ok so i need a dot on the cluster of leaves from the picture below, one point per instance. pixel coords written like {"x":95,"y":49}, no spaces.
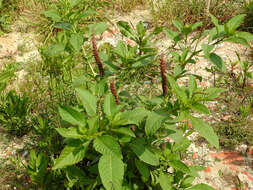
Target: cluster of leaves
{"x":125,"y":148}
{"x":68,"y":15}
{"x":130,"y":61}
{"x":14,"y":109}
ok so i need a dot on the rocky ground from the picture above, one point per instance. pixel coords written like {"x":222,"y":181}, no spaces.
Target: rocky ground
{"x":225,"y":170}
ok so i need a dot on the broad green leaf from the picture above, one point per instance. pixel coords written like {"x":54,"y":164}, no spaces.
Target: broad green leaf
{"x":144,"y":153}
{"x":201,"y":108}
{"x":205,"y":130}
{"x":54,"y":15}
{"x":165,"y":181}
{"x":119,"y":121}
{"x":87,"y":13}
{"x":55,"y":50}
{"x":32,"y":161}
{"x":107,"y":145}
{"x":246,"y":35}
{"x":201,"y":187}
{"x":179,"y":92}
{"x":182,"y":144}
{"x":98,"y":28}
{"x":178,"y":24}
{"x":216,"y":60}
{"x":207,"y":49}
{"x":70,"y":132}
{"x":100,"y":87}
{"x":238,"y":40}
{"x":75,"y":173}
{"x":72,"y":116}
{"x":88,"y":100}
{"x":212,"y":93}
{"x":153,"y":123}
{"x":178,"y":165}
{"x":135,"y":116}
{"x":125,"y":131}
{"x":110,"y":106}
{"x":63,"y":25}
{"x":192,"y":85}
{"x":143,"y":169}
{"x":71,"y":155}
{"x":176,"y":56}
{"x":195,"y":170}
{"x":174,"y":132}
{"x":184,"y":55}
{"x":93,"y":124}
{"x":157,"y":30}
{"x":171,"y":34}
{"x":235,"y":22}
{"x":125,"y":29}
{"x":187,"y":182}
{"x":178,"y":69}
{"x":80,"y":81}
{"x":196,"y":25}
{"x":215,"y":22}
{"x":140,"y":29}
{"x":76,"y":40}
{"x":107,"y":61}
{"x":121,"y":49}
{"x":111,"y":171}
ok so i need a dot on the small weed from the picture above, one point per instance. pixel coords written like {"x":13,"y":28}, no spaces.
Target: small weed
{"x":248,"y":10}
{"x":8,"y":9}
{"x":15,"y":113}
{"x":232,"y":133}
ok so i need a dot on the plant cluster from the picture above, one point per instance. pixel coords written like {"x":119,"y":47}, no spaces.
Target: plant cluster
{"x":90,"y":132}
{"x":116,"y":143}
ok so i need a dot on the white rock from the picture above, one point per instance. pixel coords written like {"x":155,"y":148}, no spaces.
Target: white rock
{"x":242,"y":148}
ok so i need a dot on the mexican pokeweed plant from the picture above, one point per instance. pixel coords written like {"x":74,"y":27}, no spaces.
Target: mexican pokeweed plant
{"x":66,"y":15}
{"x":111,"y":147}
{"x":131,"y":60}
{"x":186,"y":48}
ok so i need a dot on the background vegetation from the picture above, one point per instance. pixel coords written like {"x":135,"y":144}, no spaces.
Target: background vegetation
{"x":90,"y":118}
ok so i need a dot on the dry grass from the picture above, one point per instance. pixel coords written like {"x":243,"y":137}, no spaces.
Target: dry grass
{"x":191,"y":11}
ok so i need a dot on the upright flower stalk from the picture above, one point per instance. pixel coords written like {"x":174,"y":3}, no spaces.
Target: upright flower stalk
{"x":96,"y":56}
{"x":114,"y":92}
{"x":163,"y":75}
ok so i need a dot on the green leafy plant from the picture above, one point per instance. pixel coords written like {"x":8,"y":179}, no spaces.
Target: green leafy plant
{"x":37,"y":168}
{"x":67,"y":15}
{"x":185,"y":48}
{"x":115,"y":144}
{"x":132,"y":59}
{"x":111,"y":146}
{"x":45,"y":135}
{"x":15,"y":113}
